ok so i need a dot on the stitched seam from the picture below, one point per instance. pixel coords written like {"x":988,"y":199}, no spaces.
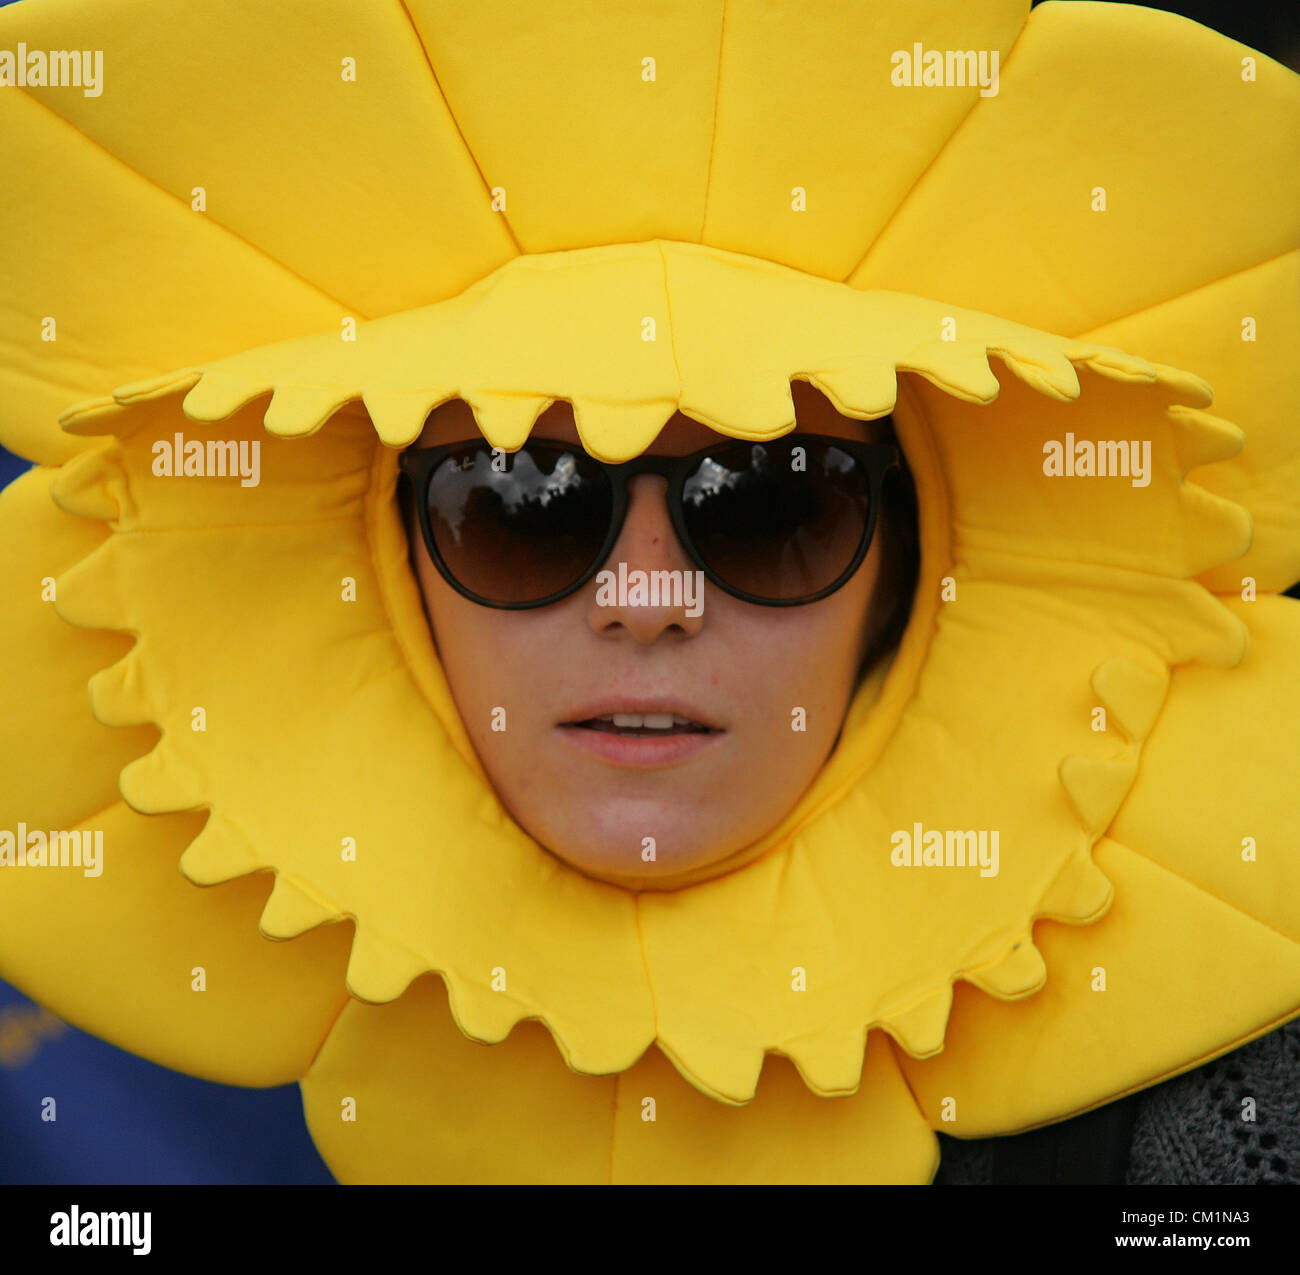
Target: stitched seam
{"x":234,"y":234}
{"x":1179,"y":296}
{"x":896,"y":1052}
{"x":1187,"y":881}
{"x":672,"y":330}
{"x":329,"y":1031}
{"x":640,"y":938}
{"x":451,"y":115}
{"x":921,"y":176}
{"x":645,"y":966}
{"x":713,"y":135}
{"x":1170,"y":1074}
{"x":121,"y":801}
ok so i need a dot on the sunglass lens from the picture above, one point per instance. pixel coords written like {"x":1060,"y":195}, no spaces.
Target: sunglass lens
{"x":522,"y":528}
{"x":781,"y":520}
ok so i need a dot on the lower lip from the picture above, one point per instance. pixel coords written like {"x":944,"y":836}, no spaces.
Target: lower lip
{"x":640,"y":752}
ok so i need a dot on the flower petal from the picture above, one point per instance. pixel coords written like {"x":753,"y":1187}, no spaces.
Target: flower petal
{"x":1221,"y":766}
{"x":1241,"y":333}
{"x":1150,"y":108}
{"x":115,"y":952}
{"x":355,"y":177}
{"x":135,"y":282}
{"x":397,"y":1094}
{"x":1167,"y":950}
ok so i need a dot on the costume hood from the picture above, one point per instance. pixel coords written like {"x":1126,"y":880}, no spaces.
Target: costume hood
{"x":645,"y":211}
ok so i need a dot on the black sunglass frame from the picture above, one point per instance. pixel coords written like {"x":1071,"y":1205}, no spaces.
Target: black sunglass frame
{"x":419,"y":465}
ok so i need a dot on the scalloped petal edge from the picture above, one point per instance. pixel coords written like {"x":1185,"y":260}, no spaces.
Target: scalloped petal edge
{"x":292,"y":909}
{"x":373,"y":369}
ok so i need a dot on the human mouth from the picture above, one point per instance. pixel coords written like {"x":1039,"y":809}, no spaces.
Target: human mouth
{"x":652,"y":724}
{"x":644,"y":737}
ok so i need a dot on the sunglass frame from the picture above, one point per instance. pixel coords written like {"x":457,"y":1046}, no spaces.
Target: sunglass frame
{"x":419,"y":465}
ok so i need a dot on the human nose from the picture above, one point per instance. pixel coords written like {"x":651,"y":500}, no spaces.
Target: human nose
{"x":648,"y":544}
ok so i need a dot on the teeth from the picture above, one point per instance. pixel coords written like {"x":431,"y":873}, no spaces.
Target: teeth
{"x":653,"y":721}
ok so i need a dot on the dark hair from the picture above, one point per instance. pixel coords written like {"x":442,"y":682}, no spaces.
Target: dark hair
{"x":899,"y":528}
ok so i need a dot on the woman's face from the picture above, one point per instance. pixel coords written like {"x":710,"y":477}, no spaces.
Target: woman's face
{"x":743,"y":669}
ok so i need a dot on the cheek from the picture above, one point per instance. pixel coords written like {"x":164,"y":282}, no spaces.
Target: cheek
{"x":836,"y":629}
{"x":491,"y":658}
{"x":460,"y":628}
{"x":814,"y":650}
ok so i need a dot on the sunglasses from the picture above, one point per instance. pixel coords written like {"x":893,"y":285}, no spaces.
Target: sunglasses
{"x":778,"y":523}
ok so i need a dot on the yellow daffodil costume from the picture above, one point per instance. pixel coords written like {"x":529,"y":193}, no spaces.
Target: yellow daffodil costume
{"x":309,"y":225}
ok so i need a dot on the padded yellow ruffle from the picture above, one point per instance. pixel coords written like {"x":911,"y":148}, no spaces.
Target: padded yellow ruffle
{"x":1257,"y":386}
{"x":426,"y":1105}
{"x":499,"y":347}
{"x":1175,"y":849}
{"x":1205,"y":789}
{"x":115,"y":953}
{"x":1202,"y":980}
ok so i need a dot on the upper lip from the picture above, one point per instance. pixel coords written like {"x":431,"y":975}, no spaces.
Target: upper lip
{"x":631,"y":704}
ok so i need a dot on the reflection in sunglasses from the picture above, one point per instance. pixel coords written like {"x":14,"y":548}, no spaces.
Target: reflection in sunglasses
{"x":523,"y":484}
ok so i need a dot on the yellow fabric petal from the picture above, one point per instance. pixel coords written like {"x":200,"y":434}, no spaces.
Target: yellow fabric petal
{"x":117,"y":281}
{"x":1186,"y":978}
{"x":787,"y":1134}
{"x":342,"y":161}
{"x":1204,"y":787}
{"x":1143,"y":515}
{"x":431,"y":1106}
{"x":58,"y":764}
{"x":1008,"y":216}
{"x":143,"y":959}
{"x":397,"y":1094}
{"x":814,"y":146}
{"x":112,"y":946}
{"x":711,"y":118}
{"x":594,"y":124}
{"x":1241,"y":334}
